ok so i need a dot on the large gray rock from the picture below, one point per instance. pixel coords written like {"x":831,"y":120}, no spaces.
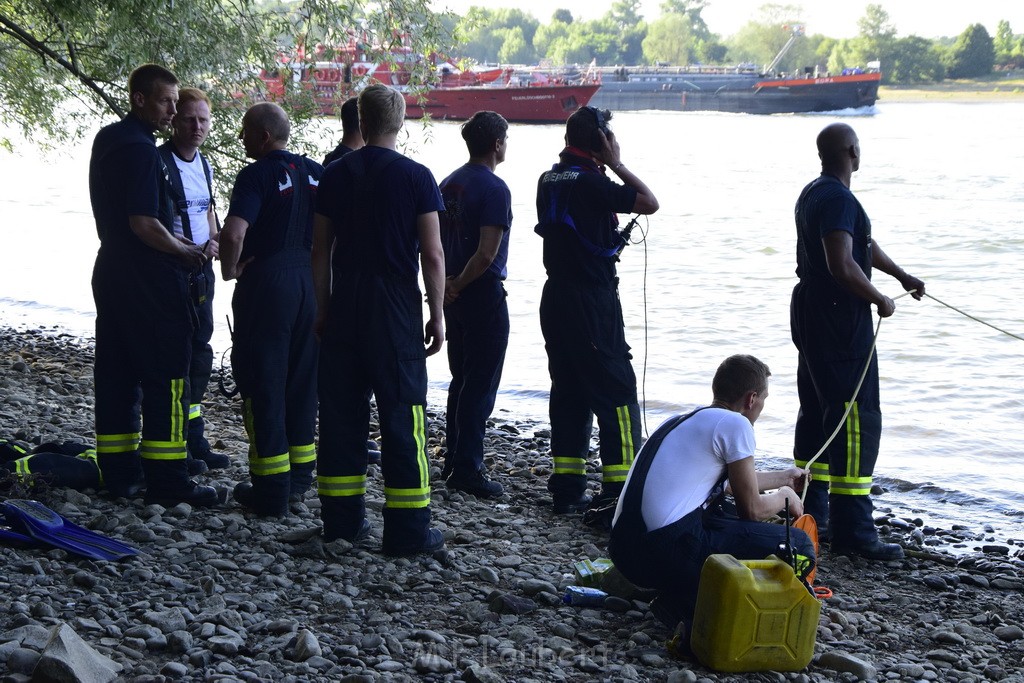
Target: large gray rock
{"x":306,"y":646}
{"x":69,"y":659}
{"x":842,"y":661}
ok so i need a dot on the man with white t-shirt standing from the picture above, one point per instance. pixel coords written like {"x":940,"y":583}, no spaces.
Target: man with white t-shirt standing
{"x":191,"y":182}
{"x":672,"y":514}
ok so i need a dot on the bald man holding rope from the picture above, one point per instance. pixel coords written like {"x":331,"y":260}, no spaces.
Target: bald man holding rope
{"x":831,"y":323}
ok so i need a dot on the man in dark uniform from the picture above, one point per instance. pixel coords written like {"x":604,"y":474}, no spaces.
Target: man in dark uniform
{"x":266,"y":244}
{"x":474,"y":231}
{"x":195,"y":219}
{"x":144,"y":310}
{"x":832,"y":330}
{"x":376,"y":209}
{"x":351,"y":136}
{"x":580,"y":314}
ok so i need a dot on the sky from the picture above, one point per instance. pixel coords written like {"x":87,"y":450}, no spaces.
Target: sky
{"x":836,"y":19}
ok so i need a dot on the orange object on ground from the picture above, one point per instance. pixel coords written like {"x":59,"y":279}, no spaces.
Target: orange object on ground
{"x":807,"y":524}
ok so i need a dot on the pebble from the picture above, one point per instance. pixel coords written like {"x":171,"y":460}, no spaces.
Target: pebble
{"x":1009,"y":634}
{"x":222,"y":595}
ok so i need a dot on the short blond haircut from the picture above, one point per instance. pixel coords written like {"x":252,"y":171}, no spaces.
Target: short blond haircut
{"x":381,"y":110}
{"x":186,"y":95}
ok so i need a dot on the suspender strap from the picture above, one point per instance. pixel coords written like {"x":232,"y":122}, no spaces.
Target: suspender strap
{"x":557,"y":215}
{"x":298,"y":220}
{"x":633,"y":495}
{"x":178,"y":187}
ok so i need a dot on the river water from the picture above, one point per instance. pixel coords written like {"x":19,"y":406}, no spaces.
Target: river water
{"x":940,"y":181}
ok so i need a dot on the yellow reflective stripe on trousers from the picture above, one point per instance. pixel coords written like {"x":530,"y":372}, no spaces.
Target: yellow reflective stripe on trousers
{"x":625,"y":438}
{"x":851,"y":486}
{"x":162,"y":450}
{"x":613,"y":473}
{"x":117,"y":443}
{"x":419,"y":434}
{"x":406,"y":498}
{"x":21,"y":467}
{"x":819,"y":470}
{"x":341,"y":486}
{"x":570,"y":466}
{"x":853,"y":440}
{"x":12,"y":445}
{"x":177,"y":412}
{"x":90,"y":454}
{"x":302,"y":454}
{"x":195,"y":410}
{"x":264,"y":467}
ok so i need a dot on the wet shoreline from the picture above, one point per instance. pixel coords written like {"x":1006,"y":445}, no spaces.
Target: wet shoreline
{"x":221,"y":594}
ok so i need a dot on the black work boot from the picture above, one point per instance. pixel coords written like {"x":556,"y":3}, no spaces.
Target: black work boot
{"x":302,"y":475}
{"x":199,"y":447}
{"x":167,"y":484}
{"x":569,"y":493}
{"x":196,"y":466}
{"x":267,"y":495}
{"x":122,"y":473}
{"x":408,"y":532}
{"x":475,"y":483}
{"x":344,"y":517}
{"x":853,"y":530}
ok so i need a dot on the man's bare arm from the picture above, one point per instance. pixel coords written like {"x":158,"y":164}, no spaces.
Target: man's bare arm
{"x":432,"y":264}
{"x":231,"y":239}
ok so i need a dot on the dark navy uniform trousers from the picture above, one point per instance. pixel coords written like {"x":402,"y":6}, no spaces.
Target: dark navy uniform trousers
{"x":591,"y":374}
{"x":372,"y":344}
{"x":834,"y":336}
{"x":477,"y":331}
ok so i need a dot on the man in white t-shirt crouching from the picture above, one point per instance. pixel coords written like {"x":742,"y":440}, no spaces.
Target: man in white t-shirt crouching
{"x":673,"y":512}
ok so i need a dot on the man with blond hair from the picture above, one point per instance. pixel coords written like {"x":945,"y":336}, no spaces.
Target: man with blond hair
{"x":672,"y":514}
{"x":195,"y":220}
{"x":376,"y":224}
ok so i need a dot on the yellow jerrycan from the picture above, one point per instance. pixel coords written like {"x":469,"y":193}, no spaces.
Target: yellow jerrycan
{"x":753,"y":615}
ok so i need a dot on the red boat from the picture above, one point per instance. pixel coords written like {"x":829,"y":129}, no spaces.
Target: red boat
{"x":455,"y":94}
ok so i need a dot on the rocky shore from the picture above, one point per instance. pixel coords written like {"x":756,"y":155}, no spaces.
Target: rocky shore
{"x":221,"y":595}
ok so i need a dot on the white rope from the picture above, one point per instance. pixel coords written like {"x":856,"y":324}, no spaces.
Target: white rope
{"x":849,"y":405}
{"x":968,"y":315}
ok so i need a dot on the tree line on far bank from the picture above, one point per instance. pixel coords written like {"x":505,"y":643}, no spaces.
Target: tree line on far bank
{"x":64,"y":65}
{"x":680,"y":36}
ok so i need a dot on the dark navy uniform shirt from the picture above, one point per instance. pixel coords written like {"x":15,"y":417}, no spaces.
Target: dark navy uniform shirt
{"x":263,"y":196}
{"x":826,"y":205}
{"x":375,"y":221}
{"x":337,"y":153}
{"x":474,"y":197}
{"x":593,"y":202}
{"x":127,"y":178}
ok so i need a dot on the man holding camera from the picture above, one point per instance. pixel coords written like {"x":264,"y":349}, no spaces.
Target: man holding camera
{"x":580,"y":314}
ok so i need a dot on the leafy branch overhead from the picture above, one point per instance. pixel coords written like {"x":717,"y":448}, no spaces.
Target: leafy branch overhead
{"x":64,"y":65}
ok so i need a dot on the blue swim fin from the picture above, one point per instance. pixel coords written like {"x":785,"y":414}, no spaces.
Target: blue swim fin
{"x":33,"y":519}
{"x":9,"y":536}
